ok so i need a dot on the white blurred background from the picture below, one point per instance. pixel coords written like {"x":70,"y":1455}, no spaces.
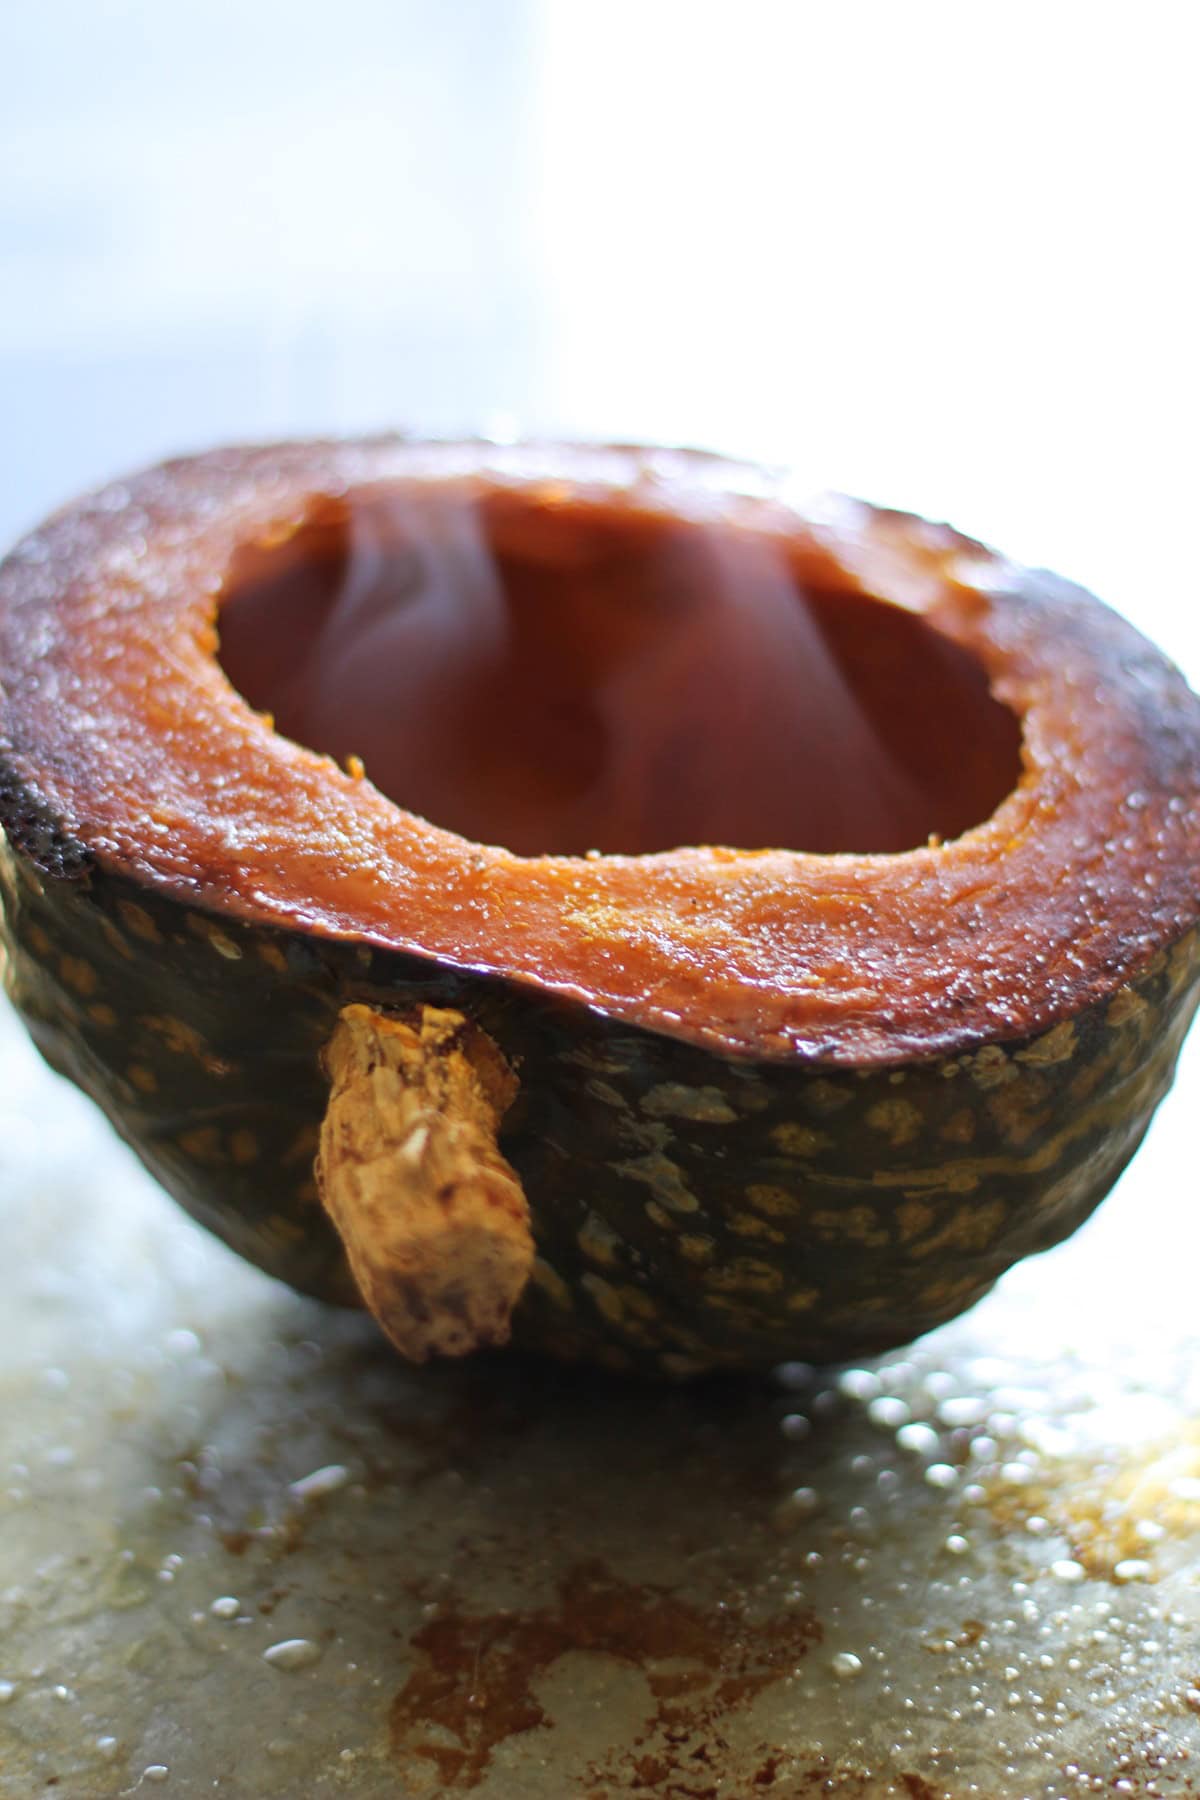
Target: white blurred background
{"x":938,"y":253}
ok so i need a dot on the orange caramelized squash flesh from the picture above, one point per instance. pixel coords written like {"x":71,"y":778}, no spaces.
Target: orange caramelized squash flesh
{"x":587,"y":897}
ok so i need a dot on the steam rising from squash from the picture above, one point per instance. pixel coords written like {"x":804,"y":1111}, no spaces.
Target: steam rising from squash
{"x":565,"y":679}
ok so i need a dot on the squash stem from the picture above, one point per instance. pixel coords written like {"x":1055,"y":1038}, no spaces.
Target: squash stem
{"x":433,"y":1219}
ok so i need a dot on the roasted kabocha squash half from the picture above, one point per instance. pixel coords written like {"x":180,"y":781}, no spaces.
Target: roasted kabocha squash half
{"x":583,"y":897}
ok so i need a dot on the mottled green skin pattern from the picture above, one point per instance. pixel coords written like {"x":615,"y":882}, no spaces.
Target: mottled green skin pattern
{"x":689,"y":1211}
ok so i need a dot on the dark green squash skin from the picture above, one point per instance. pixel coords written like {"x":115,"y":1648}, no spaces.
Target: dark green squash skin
{"x":690,"y":1211}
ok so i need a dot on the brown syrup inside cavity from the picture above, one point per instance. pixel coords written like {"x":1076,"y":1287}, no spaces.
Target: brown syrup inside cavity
{"x":564,"y":675}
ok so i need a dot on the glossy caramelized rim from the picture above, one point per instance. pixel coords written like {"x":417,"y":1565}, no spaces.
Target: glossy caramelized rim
{"x":118,"y":723}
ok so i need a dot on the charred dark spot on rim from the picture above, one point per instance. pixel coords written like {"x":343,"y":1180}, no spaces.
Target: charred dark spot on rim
{"x":36,"y":834}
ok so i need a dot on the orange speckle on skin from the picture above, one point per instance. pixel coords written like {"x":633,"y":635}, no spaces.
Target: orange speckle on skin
{"x":202,"y":1143}
{"x":243,"y":1146}
{"x":800,"y":1140}
{"x":79,"y":975}
{"x":959,"y":1128}
{"x":137,"y":920}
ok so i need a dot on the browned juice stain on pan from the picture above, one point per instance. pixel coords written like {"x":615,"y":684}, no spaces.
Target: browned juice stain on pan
{"x":1102,"y":1503}
{"x":473,"y":1684}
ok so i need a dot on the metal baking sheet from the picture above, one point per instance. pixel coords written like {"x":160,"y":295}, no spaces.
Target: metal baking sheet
{"x":244,"y":1551}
